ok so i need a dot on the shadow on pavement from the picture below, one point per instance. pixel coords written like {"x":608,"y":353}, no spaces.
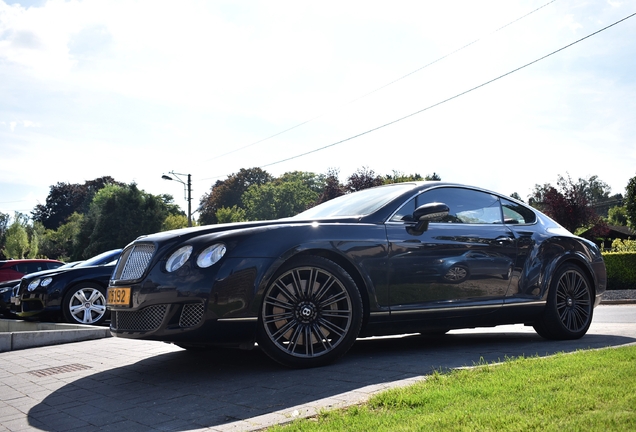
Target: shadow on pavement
{"x":181,"y":390}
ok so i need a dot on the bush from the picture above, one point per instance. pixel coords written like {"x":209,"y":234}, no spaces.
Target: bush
{"x":621,"y":270}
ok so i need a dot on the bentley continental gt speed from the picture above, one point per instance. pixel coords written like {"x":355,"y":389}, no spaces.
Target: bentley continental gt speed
{"x":420,"y":257}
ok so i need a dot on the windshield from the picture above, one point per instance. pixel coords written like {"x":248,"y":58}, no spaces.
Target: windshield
{"x":359,"y":203}
{"x":105,"y":258}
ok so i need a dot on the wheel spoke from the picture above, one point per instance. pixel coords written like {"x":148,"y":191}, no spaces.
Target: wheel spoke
{"x":339,"y":331}
{"x":339,"y":296}
{"x":278,"y":303}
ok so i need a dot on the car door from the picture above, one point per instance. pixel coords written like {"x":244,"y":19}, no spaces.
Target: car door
{"x":462,"y":262}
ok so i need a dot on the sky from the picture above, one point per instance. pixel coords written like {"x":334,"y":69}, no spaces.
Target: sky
{"x":498,"y":94}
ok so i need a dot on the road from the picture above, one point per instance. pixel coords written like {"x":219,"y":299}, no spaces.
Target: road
{"x":119,"y":384}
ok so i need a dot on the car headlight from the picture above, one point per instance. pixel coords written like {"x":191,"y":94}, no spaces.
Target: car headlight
{"x":178,"y":258}
{"x":34,"y":284}
{"x":46,"y":281}
{"x":211,"y":255}
{"x":4,"y":290}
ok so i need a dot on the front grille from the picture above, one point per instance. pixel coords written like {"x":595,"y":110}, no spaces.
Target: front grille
{"x":146,"y":319}
{"x":133,"y":262}
{"x":191,"y":315}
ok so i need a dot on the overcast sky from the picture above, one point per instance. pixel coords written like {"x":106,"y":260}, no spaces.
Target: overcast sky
{"x":136,"y":89}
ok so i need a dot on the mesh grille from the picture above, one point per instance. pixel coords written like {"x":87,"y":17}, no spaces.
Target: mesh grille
{"x":191,"y":315}
{"x":134,"y":262}
{"x":146,"y":319}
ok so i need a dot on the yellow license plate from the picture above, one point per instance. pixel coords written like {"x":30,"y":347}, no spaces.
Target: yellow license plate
{"x":118,"y":297}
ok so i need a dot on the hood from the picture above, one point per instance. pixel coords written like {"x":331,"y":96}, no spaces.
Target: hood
{"x":187,"y":233}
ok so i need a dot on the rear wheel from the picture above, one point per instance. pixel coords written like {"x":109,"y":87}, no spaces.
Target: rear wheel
{"x":311,"y":314}
{"x":456,"y":274}
{"x":568,"y":312}
{"x":85,"y":304}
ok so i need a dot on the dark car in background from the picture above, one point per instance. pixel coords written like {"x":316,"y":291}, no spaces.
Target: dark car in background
{"x":6,"y":292}
{"x":373,"y":262}
{"x":74,"y":294}
{"x":13,"y":270}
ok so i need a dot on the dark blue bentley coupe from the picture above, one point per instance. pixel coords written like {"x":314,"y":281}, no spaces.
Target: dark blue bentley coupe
{"x":423,"y":257}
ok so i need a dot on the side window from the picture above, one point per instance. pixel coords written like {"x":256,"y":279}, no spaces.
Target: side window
{"x":466,"y":206}
{"x":516,"y":213}
{"x":35,"y":267}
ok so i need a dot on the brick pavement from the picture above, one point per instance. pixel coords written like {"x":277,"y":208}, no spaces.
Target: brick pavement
{"x":126,"y":385}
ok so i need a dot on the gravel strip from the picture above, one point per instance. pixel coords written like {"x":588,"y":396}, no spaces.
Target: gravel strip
{"x":620,"y":295}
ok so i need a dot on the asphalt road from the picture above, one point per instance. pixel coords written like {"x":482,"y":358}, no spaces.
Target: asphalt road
{"x":122,"y":385}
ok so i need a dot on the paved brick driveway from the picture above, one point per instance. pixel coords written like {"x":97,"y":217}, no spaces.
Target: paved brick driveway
{"x":123,"y":385}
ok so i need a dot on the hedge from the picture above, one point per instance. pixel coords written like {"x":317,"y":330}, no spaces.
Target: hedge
{"x":621,"y":270}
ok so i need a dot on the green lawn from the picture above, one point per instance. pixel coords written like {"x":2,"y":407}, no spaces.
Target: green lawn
{"x":583,"y":391}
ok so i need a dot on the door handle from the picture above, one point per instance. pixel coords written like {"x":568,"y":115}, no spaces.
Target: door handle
{"x":504,"y":240}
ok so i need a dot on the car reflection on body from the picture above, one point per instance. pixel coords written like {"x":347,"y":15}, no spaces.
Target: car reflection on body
{"x":474,"y":264}
{"x":74,"y":293}
{"x":304,"y":288}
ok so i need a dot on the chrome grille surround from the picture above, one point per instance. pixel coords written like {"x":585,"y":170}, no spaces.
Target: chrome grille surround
{"x":134,"y":262}
{"x":191,"y":314}
{"x":146,"y":319}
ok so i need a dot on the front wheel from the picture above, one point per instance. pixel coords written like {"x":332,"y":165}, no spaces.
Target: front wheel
{"x":85,"y":304}
{"x":568,"y":312}
{"x":311,"y":314}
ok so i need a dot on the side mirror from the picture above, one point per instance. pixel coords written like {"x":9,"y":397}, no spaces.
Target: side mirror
{"x":425,"y":214}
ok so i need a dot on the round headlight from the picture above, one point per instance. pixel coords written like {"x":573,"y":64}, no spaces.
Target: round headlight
{"x":46,"y":281}
{"x":34,"y":284}
{"x":178,"y":258}
{"x":211,"y":255}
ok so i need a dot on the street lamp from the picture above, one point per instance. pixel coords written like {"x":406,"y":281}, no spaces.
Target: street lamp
{"x":188,"y":188}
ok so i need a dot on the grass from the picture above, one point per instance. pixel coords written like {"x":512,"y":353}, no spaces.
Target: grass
{"x":583,"y":391}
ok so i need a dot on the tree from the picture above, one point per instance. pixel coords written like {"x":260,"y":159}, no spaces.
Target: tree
{"x":568,"y":205}
{"x":332,"y":187}
{"x":617,"y":216}
{"x":277,"y":200}
{"x":630,"y":203}
{"x":4,"y":226}
{"x":17,"y":241}
{"x":595,"y":190}
{"x":400,"y":177}
{"x":232,"y":214}
{"x":64,"y":199}
{"x":363,"y":178}
{"x":228,"y":193}
{"x":433,"y":177}
{"x":60,"y":243}
{"x":516,"y":196}
{"x":117,"y":215}
{"x":174,"y":221}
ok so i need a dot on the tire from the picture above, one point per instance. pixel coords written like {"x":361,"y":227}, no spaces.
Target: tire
{"x":508,"y":275}
{"x":570,"y":306}
{"x":85,"y":304}
{"x":311,"y":299}
{"x":457,"y":274}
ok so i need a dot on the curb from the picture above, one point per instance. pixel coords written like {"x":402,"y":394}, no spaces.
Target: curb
{"x":16,"y":335}
{"x":618,"y":302}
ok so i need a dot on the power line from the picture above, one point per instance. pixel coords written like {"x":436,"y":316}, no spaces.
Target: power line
{"x":448,"y":99}
{"x":379,"y":88}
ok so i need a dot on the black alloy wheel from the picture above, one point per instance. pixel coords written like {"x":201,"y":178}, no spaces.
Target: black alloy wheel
{"x":85,"y":304}
{"x":311,"y":314}
{"x":570,"y":305}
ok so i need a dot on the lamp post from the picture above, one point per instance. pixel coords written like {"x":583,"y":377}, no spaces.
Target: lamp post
{"x":188,"y":187}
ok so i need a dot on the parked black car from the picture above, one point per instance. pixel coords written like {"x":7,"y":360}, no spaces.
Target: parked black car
{"x":6,"y":292}
{"x":74,"y":294}
{"x":367,"y":263}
